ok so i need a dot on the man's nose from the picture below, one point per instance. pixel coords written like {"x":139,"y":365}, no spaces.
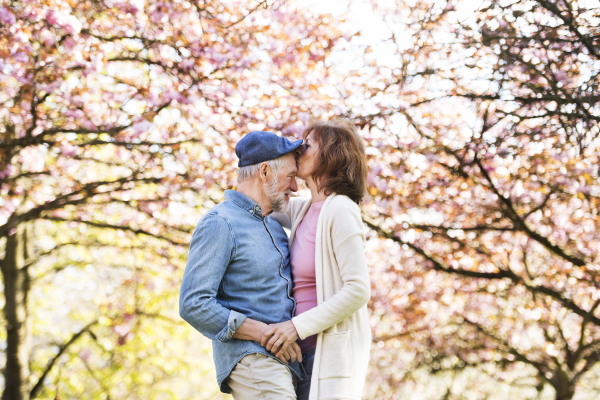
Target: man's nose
{"x":294,"y":186}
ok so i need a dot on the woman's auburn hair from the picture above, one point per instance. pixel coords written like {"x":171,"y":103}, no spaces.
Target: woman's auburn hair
{"x":341,"y":165}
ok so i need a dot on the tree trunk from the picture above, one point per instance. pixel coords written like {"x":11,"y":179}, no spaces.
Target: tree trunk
{"x":563,"y":385}
{"x":18,"y":332}
{"x":566,"y":394}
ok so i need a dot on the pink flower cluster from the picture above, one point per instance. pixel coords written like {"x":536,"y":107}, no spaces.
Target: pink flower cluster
{"x":6,"y":16}
{"x":68,"y":22}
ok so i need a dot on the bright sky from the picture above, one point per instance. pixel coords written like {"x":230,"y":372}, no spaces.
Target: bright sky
{"x":363,"y":16}
{"x":374,"y":31}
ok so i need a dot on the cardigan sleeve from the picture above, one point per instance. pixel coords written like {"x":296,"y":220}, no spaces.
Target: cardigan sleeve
{"x":286,"y":218}
{"x":283,"y":218}
{"x":348,"y":246}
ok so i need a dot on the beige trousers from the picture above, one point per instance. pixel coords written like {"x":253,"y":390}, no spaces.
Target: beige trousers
{"x":258,"y":377}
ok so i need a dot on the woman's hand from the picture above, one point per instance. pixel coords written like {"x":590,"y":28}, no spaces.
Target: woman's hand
{"x":279,"y":337}
{"x":291,"y":354}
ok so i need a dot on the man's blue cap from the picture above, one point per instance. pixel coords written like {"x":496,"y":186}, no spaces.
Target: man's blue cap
{"x":259,"y":146}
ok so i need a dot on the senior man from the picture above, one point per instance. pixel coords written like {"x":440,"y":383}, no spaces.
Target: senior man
{"x":238,"y":278}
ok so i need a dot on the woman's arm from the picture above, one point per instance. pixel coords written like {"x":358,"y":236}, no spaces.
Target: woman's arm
{"x":348,"y":245}
{"x":286,"y":218}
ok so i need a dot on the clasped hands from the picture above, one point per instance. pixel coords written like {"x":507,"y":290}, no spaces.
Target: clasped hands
{"x":280,"y":339}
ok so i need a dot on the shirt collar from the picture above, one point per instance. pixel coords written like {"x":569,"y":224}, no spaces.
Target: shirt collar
{"x":244,"y":202}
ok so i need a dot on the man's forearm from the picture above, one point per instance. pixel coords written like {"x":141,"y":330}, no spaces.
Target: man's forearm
{"x":250,"y":330}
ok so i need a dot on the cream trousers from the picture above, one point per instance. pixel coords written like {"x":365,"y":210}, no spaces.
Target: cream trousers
{"x":258,"y":377}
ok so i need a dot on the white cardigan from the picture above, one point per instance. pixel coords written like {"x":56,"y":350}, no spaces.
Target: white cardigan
{"x":343,"y":289}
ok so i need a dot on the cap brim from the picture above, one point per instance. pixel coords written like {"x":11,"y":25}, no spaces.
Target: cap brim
{"x":288,"y":147}
{"x":295,"y":144}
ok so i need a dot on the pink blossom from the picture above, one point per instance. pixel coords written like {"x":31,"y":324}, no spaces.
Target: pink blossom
{"x":87,"y":124}
{"x":16,"y":119}
{"x":68,"y":150}
{"x":74,"y":113}
{"x":52,"y":17}
{"x":175,"y":95}
{"x":131,"y":6}
{"x":135,"y":6}
{"x":562,"y":76}
{"x":77,"y":100}
{"x":431,"y":157}
{"x":160,"y":12}
{"x":187,"y":64}
{"x":304,"y":116}
{"x":21,"y":57}
{"x":6,"y":172}
{"x":227,"y":89}
{"x":47,"y":37}
{"x":294,"y":130}
{"x":7,"y":17}
{"x":503,"y":152}
{"x":72,"y":25}
{"x":141,"y":127}
{"x":85,"y":354}
{"x":246,"y":62}
{"x":122,"y":329}
{"x":51,"y":87}
{"x":381,"y":185}
{"x":402,"y":106}
{"x":34,"y":15}
{"x":69,"y":43}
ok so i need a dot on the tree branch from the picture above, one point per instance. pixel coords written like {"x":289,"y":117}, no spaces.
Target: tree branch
{"x":40,"y":383}
{"x":115,"y":227}
{"x":518,"y":356}
{"x":501,"y":274}
{"x":522,"y":225}
{"x":87,"y":191}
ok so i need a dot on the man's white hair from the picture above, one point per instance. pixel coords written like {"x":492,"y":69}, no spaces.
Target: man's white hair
{"x":249,"y":171}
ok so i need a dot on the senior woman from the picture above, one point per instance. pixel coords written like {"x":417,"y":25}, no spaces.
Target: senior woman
{"x":329,"y":267}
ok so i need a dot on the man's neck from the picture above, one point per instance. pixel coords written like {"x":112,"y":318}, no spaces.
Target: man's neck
{"x":254,"y":191}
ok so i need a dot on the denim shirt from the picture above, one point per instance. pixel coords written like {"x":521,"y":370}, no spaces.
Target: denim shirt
{"x":238,"y":267}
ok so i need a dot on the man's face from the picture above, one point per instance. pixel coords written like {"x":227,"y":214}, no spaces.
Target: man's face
{"x":286,"y":177}
{"x":280,"y":187}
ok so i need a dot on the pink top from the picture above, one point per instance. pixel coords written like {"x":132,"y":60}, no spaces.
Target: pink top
{"x":302,"y":258}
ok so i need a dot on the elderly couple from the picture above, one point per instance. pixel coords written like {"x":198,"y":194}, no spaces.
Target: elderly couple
{"x":287,"y":316}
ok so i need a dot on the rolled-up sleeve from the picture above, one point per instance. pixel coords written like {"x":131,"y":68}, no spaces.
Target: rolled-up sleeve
{"x":211,"y":250}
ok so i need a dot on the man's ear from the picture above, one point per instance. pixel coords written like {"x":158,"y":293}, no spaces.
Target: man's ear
{"x":264,"y":172}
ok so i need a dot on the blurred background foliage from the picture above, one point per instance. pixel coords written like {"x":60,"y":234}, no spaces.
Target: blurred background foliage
{"x":117,"y":126}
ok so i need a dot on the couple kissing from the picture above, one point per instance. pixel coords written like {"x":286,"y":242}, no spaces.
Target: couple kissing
{"x":287,"y":316}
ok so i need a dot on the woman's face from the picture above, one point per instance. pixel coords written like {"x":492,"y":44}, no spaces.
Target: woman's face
{"x":308,"y":157}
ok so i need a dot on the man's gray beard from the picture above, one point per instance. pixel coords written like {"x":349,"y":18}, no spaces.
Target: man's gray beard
{"x":277,"y":199}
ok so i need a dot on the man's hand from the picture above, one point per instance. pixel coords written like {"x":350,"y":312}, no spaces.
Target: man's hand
{"x":251,"y":330}
{"x":279,"y":337}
